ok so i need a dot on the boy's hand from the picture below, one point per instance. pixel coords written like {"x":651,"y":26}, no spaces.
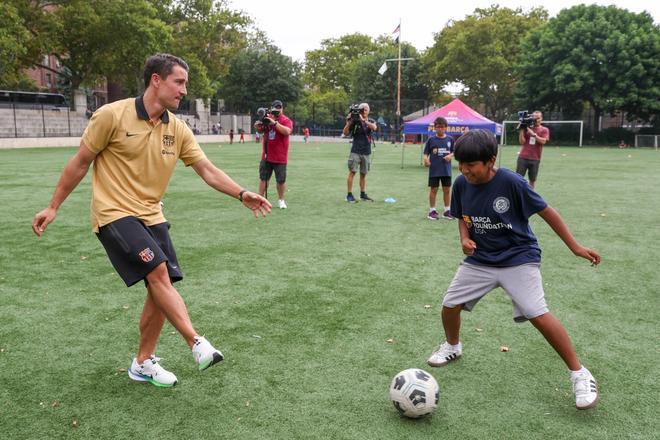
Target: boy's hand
{"x":468,"y":246}
{"x":427,"y":163}
{"x":588,"y":254}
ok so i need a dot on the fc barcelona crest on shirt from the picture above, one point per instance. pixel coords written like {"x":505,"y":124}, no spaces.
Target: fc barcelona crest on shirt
{"x":168,"y":140}
{"x":146,"y":255}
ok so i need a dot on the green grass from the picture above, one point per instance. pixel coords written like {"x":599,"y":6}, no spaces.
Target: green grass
{"x":303,"y":302}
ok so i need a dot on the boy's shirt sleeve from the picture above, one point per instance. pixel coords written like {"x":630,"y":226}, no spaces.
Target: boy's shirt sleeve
{"x":455,"y":207}
{"x":427,"y":147}
{"x":530,"y":201}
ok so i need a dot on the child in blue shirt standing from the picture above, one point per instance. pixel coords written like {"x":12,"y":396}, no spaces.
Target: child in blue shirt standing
{"x":437,"y":158}
{"x":493,"y":207}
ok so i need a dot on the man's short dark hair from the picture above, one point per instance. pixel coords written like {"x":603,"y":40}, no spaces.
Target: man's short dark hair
{"x":440,"y":121}
{"x":162,"y":64}
{"x":475,"y":145}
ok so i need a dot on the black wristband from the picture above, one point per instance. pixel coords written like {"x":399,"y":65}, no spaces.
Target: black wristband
{"x":240,"y":194}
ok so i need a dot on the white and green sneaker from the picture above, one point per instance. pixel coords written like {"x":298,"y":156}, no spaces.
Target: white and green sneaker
{"x":151,"y":371}
{"x":205,"y":354}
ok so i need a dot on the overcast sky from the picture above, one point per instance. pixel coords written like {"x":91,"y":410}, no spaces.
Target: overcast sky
{"x":296,"y":26}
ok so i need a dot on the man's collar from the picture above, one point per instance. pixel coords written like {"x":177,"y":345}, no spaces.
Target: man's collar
{"x":142,"y":111}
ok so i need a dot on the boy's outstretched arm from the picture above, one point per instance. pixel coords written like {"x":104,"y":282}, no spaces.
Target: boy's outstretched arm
{"x":558,"y":225}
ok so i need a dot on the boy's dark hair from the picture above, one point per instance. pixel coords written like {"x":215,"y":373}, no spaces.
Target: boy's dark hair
{"x":440,"y":121}
{"x":162,"y":64}
{"x":475,"y":145}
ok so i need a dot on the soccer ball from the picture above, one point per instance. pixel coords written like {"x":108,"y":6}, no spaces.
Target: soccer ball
{"x":414,"y":393}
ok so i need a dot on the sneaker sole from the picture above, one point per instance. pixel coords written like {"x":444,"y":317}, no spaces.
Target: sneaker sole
{"x":432,"y":364}
{"x":140,"y":378}
{"x":591,"y":405}
{"x":431,"y":218}
{"x":217,"y":357}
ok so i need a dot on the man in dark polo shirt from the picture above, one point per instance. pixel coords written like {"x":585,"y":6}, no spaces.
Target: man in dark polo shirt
{"x":134,"y":145}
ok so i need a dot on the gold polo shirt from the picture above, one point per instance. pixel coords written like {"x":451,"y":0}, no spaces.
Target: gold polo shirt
{"x":135,"y":160}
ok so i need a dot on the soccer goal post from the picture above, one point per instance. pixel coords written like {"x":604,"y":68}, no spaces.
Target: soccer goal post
{"x":647,"y":140}
{"x":550,"y":124}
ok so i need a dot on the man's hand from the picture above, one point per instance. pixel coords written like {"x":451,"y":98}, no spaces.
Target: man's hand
{"x":42,"y":219}
{"x":427,"y":162}
{"x":258,"y":204}
{"x":270,"y":120}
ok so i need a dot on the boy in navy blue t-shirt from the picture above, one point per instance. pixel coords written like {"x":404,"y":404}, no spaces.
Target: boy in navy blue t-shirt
{"x":437,"y":158}
{"x":493,"y":207}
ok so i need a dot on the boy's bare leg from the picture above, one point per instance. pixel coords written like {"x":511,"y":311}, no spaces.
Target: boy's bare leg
{"x":432,"y":196}
{"x":451,"y":321}
{"x":557,"y":337}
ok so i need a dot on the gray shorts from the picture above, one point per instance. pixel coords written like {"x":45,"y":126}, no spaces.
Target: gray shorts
{"x":360,"y":162}
{"x":522,"y":283}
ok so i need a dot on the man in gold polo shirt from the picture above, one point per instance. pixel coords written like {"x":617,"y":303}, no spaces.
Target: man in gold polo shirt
{"x":134,"y":145}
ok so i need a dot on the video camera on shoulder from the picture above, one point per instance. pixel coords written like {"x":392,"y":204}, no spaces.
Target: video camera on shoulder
{"x":354,"y":112}
{"x":263,"y":114}
{"x":525,"y":120}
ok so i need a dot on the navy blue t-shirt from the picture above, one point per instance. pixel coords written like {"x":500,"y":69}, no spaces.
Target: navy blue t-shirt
{"x":496,"y":214}
{"x":437,"y":148}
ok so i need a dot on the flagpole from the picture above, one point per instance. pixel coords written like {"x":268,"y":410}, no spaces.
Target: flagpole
{"x":398,"y":84}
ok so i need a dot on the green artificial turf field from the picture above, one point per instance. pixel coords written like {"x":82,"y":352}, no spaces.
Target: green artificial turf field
{"x":317,"y":307}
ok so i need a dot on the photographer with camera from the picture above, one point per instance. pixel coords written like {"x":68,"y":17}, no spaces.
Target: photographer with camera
{"x":276,"y":128}
{"x":359,"y":127}
{"x":532,"y":136}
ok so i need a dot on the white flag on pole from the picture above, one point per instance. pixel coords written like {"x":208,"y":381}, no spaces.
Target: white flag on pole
{"x":383,"y":68}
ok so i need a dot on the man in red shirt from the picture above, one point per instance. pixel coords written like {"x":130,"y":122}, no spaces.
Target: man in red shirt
{"x":532,"y":140}
{"x":276,"y":129}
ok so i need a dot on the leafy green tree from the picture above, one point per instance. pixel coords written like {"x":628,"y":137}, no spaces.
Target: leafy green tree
{"x":369,"y":85}
{"x":323,"y":108}
{"x":92,"y":36}
{"x":257,"y":76}
{"x":332,"y":66}
{"x":601,"y":55}
{"x":480,"y":52}
{"x":208,"y":35}
{"x":25,"y":28}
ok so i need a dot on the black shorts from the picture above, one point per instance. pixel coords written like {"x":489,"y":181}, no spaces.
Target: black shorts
{"x":435,"y":182}
{"x":135,"y":249}
{"x":532,"y":166}
{"x":266,"y":170}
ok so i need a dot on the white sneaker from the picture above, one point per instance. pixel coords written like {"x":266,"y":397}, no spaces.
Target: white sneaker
{"x":445,"y":354}
{"x":281,"y":203}
{"x":205,"y":354}
{"x":151,"y":371}
{"x":585,"y":389}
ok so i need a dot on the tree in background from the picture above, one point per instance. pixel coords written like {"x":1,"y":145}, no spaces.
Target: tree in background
{"x":480,"y":52}
{"x":108,"y":39}
{"x":24,"y":40}
{"x":257,"y":76}
{"x":600,"y":55}
{"x":369,"y":85}
{"x":332,"y":66}
{"x":208,"y":35}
